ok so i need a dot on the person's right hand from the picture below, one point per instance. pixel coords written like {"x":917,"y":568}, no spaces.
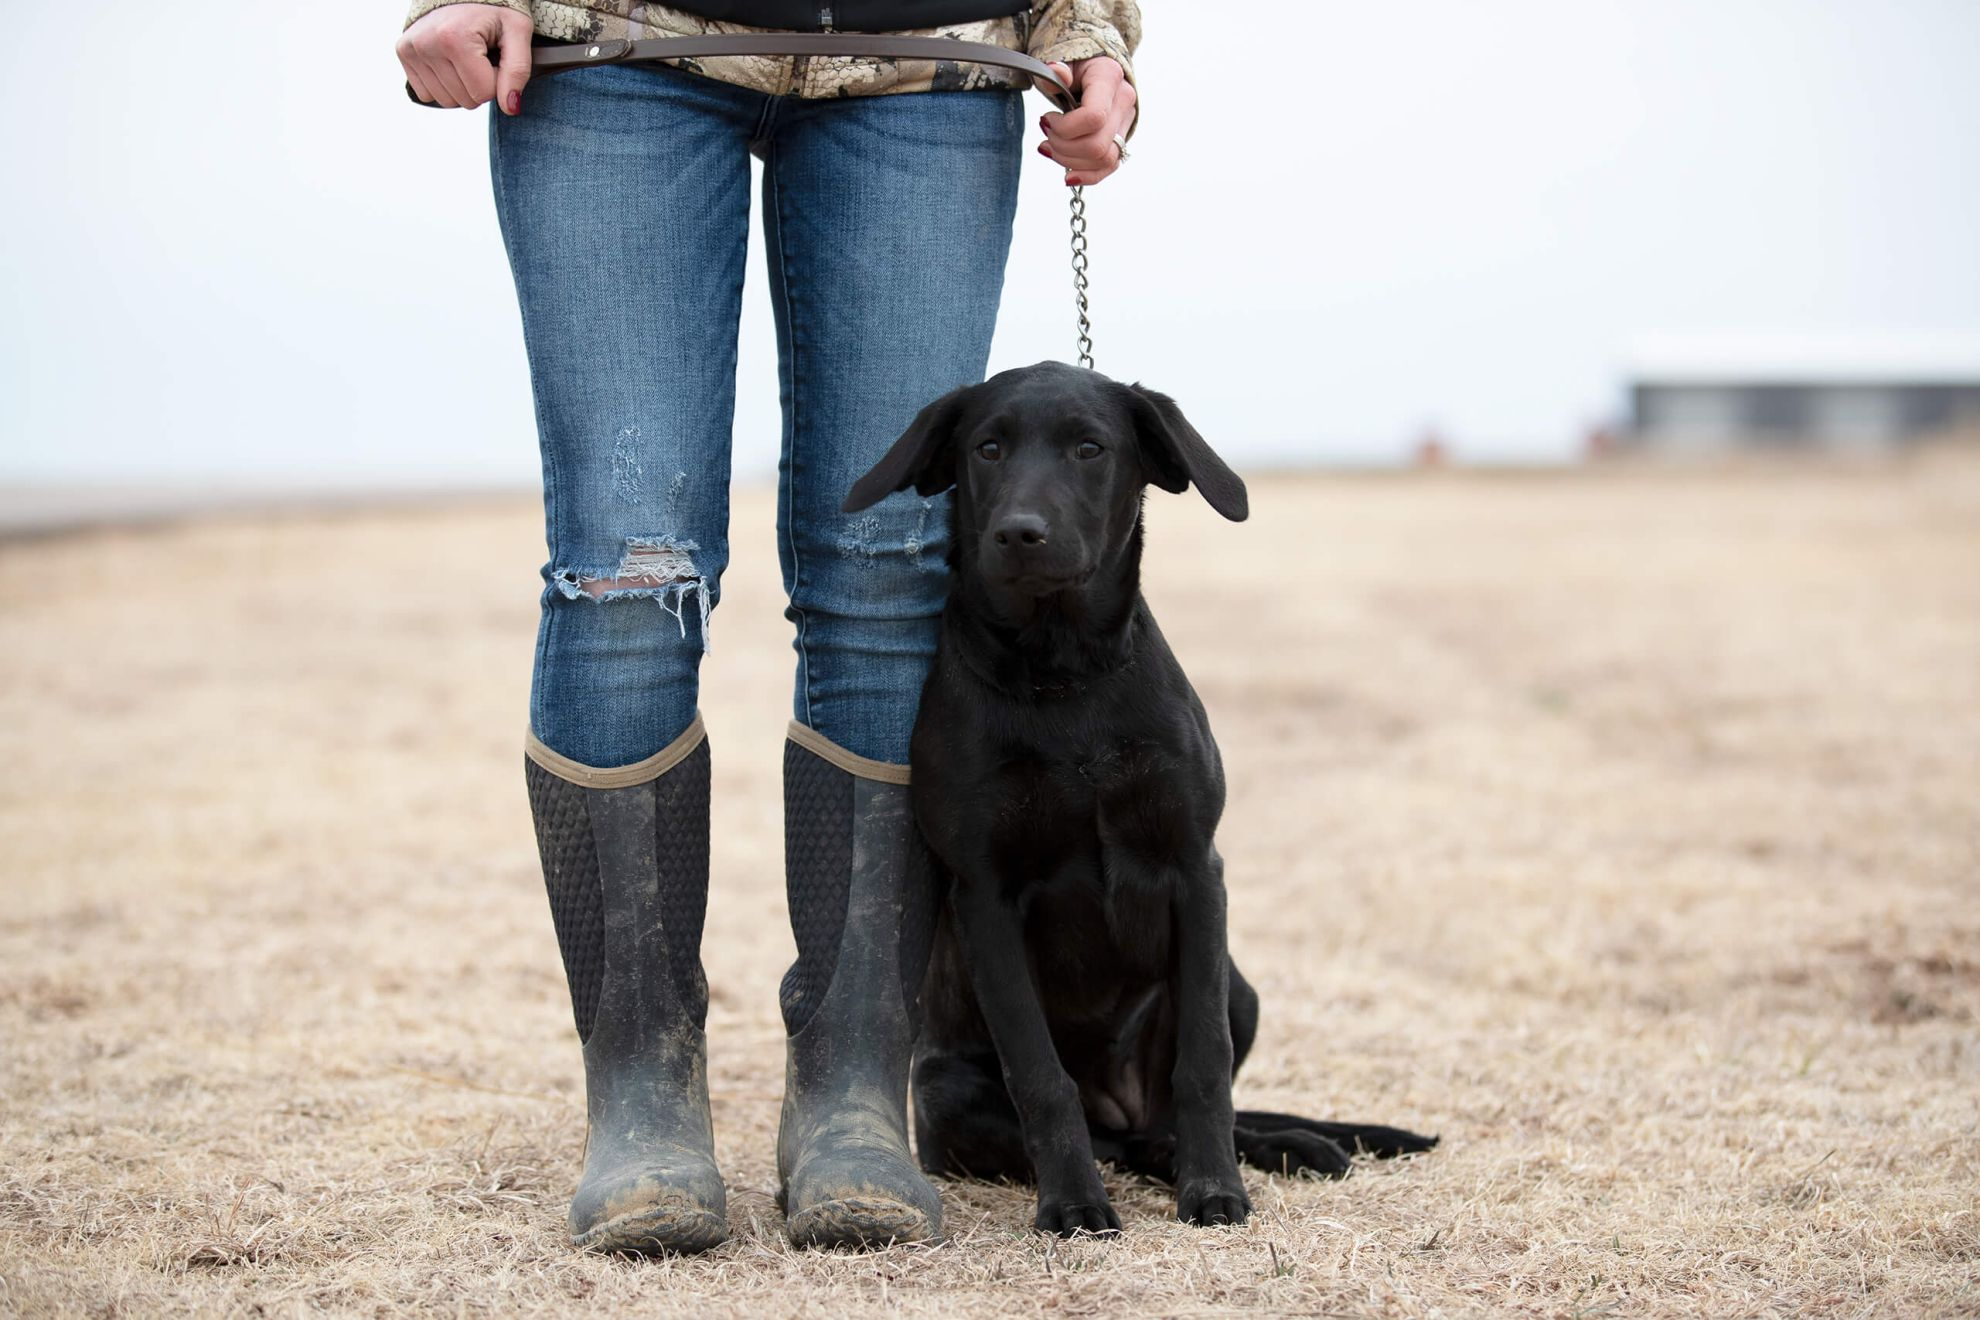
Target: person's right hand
{"x":445,"y":56}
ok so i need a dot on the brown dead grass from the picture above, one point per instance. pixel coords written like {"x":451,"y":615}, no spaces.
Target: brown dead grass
{"x":1625,"y":829}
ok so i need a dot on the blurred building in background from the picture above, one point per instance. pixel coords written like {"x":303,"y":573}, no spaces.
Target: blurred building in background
{"x":1715,"y":394}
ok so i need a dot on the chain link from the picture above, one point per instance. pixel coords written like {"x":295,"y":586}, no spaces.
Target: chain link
{"x":1079,"y":275}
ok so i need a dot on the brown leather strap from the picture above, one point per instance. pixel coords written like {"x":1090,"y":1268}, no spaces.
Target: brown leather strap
{"x":556,"y":59}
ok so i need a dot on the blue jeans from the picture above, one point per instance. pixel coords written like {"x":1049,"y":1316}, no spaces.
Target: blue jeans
{"x":623,"y":195}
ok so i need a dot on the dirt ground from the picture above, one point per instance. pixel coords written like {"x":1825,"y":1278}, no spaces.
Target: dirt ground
{"x":1622,"y":827}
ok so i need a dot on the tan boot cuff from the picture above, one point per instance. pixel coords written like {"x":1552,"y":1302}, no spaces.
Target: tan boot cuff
{"x":853,"y":764}
{"x":621,"y":776}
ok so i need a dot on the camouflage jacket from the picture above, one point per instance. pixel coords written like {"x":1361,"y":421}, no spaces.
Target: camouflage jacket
{"x":1063,"y":30}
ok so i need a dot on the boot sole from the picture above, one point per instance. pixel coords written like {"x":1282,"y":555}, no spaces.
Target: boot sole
{"x":682,"y":1231}
{"x":857,"y":1221}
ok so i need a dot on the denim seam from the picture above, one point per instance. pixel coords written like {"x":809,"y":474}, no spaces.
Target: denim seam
{"x":548,"y":620}
{"x":771,"y":160}
{"x":766,"y":122}
{"x":721,"y":548}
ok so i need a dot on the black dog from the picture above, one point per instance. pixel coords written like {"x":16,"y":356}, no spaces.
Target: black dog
{"x":1080,"y":999}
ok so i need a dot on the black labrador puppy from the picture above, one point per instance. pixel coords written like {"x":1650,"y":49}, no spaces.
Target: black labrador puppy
{"x":1080,"y":1000}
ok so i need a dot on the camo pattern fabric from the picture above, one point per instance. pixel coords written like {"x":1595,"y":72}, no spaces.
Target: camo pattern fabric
{"x":1062,"y":30}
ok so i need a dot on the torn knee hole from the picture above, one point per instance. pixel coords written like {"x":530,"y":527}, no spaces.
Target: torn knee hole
{"x":660,"y":569}
{"x":646,"y":565}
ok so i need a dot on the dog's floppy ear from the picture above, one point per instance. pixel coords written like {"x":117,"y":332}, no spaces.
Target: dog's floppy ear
{"x":1177,"y":455}
{"x":920,"y":458}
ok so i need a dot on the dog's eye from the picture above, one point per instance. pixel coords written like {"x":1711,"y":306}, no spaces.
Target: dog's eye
{"x":1088,"y":449}
{"x":989,"y":451}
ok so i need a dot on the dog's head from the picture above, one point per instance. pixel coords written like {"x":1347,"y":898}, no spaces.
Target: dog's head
{"x":1048,"y":464}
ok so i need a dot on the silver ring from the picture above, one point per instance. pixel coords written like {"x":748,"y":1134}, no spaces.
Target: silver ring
{"x":1120,"y":145}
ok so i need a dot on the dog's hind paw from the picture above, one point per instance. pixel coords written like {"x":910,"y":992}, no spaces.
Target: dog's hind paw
{"x":1294,"y":1152}
{"x":1384,"y":1143}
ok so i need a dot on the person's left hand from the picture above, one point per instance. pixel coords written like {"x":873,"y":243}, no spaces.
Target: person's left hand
{"x":1082,"y":140}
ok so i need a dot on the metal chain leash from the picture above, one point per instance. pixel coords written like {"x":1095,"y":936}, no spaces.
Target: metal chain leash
{"x":1079,"y":275}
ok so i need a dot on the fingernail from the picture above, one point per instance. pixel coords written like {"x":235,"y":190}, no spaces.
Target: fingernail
{"x":1043,"y":126}
{"x":515,"y":102}
{"x":1045,"y":150}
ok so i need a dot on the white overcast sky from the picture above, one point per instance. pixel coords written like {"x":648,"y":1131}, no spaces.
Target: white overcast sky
{"x":236,"y":254}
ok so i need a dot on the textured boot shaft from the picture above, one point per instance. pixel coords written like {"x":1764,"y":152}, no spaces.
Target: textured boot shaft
{"x":818,"y":849}
{"x":570,"y":873}
{"x":655,"y":835}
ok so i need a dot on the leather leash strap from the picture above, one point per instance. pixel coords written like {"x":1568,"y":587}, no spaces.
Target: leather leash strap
{"x":556,"y":59}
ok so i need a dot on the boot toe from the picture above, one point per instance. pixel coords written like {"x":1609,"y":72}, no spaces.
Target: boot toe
{"x":869,"y":1199}
{"x":683,"y":1229}
{"x":862,"y":1221}
{"x":651,"y":1213}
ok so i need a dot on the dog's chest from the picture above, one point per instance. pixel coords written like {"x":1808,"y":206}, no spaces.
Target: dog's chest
{"x":1059,"y":801}
{"x":1082,"y":845}
{"x":1045,"y":817}
{"x":1125,"y":789}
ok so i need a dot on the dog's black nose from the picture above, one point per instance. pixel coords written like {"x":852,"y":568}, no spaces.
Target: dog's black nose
{"x":1023,"y":529}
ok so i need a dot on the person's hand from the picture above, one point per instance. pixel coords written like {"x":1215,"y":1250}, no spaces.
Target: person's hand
{"x":445,"y":55}
{"x":1082,"y":140}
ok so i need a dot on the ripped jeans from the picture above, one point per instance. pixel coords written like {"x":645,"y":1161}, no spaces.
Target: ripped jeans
{"x":623,"y":194}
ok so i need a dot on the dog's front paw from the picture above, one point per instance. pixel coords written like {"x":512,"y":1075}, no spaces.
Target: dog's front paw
{"x":1069,"y":1217}
{"x":1212,"y":1201}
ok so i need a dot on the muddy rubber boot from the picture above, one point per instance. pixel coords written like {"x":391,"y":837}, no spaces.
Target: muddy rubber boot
{"x":862,"y":896}
{"x":625,"y":858}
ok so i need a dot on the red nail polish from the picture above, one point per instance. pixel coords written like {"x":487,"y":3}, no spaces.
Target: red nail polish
{"x":515,"y":102}
{"x":1042,"y":126}
{"x":1045,"y":150}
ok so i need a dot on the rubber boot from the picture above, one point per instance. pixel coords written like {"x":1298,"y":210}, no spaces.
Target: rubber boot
{"x":625,"y":858}
{"x":862,"y":895}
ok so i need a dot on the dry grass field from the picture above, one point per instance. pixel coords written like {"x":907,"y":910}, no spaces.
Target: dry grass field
{"x":1622,"y":827}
